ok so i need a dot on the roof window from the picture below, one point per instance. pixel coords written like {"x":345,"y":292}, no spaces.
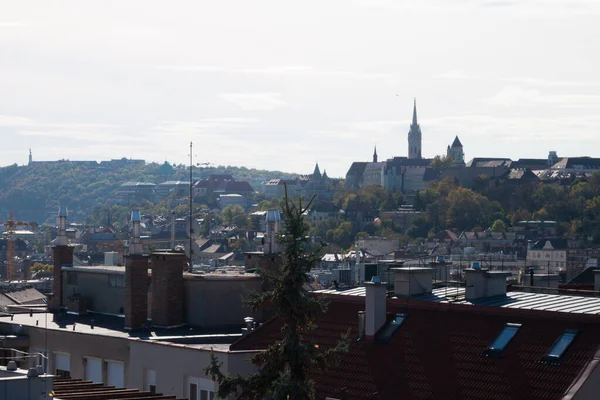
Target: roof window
{"x":391,"y":328}
{"x":498,"y":345}
{"x":561,"y":345}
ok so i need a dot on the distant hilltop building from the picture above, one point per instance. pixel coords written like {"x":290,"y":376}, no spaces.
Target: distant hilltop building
{"x":308,"y":185}
{"x":397,"y":173}
{"x":112,"y":164}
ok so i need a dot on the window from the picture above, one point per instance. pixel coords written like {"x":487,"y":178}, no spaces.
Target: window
{"x":561,"y":345}
{"x":498,"y":345}
{"x":116,"y":280}
{"x":200,"y":389}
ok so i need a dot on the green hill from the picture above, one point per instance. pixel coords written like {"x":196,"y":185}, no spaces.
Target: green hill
{"x":34,"y":192}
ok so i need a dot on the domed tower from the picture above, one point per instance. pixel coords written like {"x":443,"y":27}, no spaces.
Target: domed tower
{"x":414,"y":136}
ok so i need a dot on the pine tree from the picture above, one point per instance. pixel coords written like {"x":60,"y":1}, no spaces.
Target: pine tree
{"x":283,"y":369}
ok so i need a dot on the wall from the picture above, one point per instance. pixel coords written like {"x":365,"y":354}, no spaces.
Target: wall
{"x":24,"y":388}
{"x":174,"y":363}
{"x":94,"y":287}
{"x":217,"y":302}
{"x":79,"y":346}
{"x":556,"y":259}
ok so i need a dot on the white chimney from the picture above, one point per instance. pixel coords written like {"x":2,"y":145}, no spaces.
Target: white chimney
{"x":412,"y":281}
{"x":375,"y":304}
{"x":136,"y":241}
{"x":481,"y":283}
{"x":61,"y":239}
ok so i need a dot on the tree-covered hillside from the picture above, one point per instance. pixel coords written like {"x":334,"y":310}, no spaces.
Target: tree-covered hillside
{"x":34,"y":192}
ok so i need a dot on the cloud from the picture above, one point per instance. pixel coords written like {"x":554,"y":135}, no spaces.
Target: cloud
{"x":12,"y":24}
{"x":202,"y":126}
{"x":511,"y":96}
{"x":254,"y":101}
{"x":550,"y":83}
{"x":89,"y":132}
{"x":278,"y":70}
{"x":454,"y":74}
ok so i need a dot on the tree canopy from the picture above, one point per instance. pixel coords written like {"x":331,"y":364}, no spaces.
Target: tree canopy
{"x":283,"y":368}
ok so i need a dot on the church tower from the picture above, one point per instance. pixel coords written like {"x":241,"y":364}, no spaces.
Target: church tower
{"x":375,"y":154}
{"x":456,"y":152}
{"x":414,"y":137}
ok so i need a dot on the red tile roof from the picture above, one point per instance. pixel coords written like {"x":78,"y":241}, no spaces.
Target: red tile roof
{"x":439,"y":353}
{"x":67,"y":389}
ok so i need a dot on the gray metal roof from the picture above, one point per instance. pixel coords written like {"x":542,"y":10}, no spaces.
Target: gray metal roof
{"x":520,"y":300}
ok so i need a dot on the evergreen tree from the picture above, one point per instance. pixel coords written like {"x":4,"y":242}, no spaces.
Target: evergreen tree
{"x":283,"y":369}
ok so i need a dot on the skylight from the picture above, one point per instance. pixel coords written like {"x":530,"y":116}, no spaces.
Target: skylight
{"x":391,"y":328}
{"x":509,"y":331}
{"x":561,"y":345}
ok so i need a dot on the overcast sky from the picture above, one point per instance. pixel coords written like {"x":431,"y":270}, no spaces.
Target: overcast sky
{"x":281,"y":85}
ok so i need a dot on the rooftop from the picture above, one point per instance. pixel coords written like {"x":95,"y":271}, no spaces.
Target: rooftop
{"x":80,"y":389}
{"x":440,"y":352}
{"x":513,"y":300}
{"x":113,"y":326}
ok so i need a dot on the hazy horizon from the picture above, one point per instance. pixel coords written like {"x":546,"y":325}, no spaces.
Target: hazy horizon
{"x":279,"y":86}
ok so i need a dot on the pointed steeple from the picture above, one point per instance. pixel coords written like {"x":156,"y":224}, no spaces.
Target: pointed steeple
{"x":414,"y":121}
{"x":414,"y":136}
{"x":457,"y":142}
{"x":375,"y":154}
{"x":325,"y":174}
{"x":317,"y":172}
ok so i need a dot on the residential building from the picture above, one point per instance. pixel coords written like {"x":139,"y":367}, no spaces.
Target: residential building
{"x":548,"y":254}
{"x":129,"y":192}
{"x":176,"y":188}
{"x":322,"y":210}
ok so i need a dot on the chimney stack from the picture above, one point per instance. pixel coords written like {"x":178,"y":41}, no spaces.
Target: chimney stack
{"x":167,"y":288}
{"x":481,"y":283}
{"x":412,"y":281}
{"x":63,"y":256}
{"x":273,"y":220}
{"x":136,"y":280}
{"x":375,"y":304}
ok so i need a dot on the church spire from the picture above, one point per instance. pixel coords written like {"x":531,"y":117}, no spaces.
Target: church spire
{"x":414,"y":136}
{"x":414,"y":121}
{"x":317,"y":173}
{"x":375,"y":154}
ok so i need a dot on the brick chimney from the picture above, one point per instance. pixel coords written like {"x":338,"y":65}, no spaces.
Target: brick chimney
{"x":136,"y":280}
{"x":375,"y":304}
{"x":63,"y":255}
{"x":27,"y":268}
{"x":167,"y":288}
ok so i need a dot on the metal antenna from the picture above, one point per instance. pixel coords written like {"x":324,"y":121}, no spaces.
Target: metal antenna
{"x":191,"y":201}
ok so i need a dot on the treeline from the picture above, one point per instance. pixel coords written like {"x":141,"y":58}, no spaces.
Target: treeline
{"x":34,"y":192}
{"x":575,"y":206}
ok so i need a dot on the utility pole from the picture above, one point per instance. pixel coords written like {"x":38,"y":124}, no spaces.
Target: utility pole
{"x":191,"y":203}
